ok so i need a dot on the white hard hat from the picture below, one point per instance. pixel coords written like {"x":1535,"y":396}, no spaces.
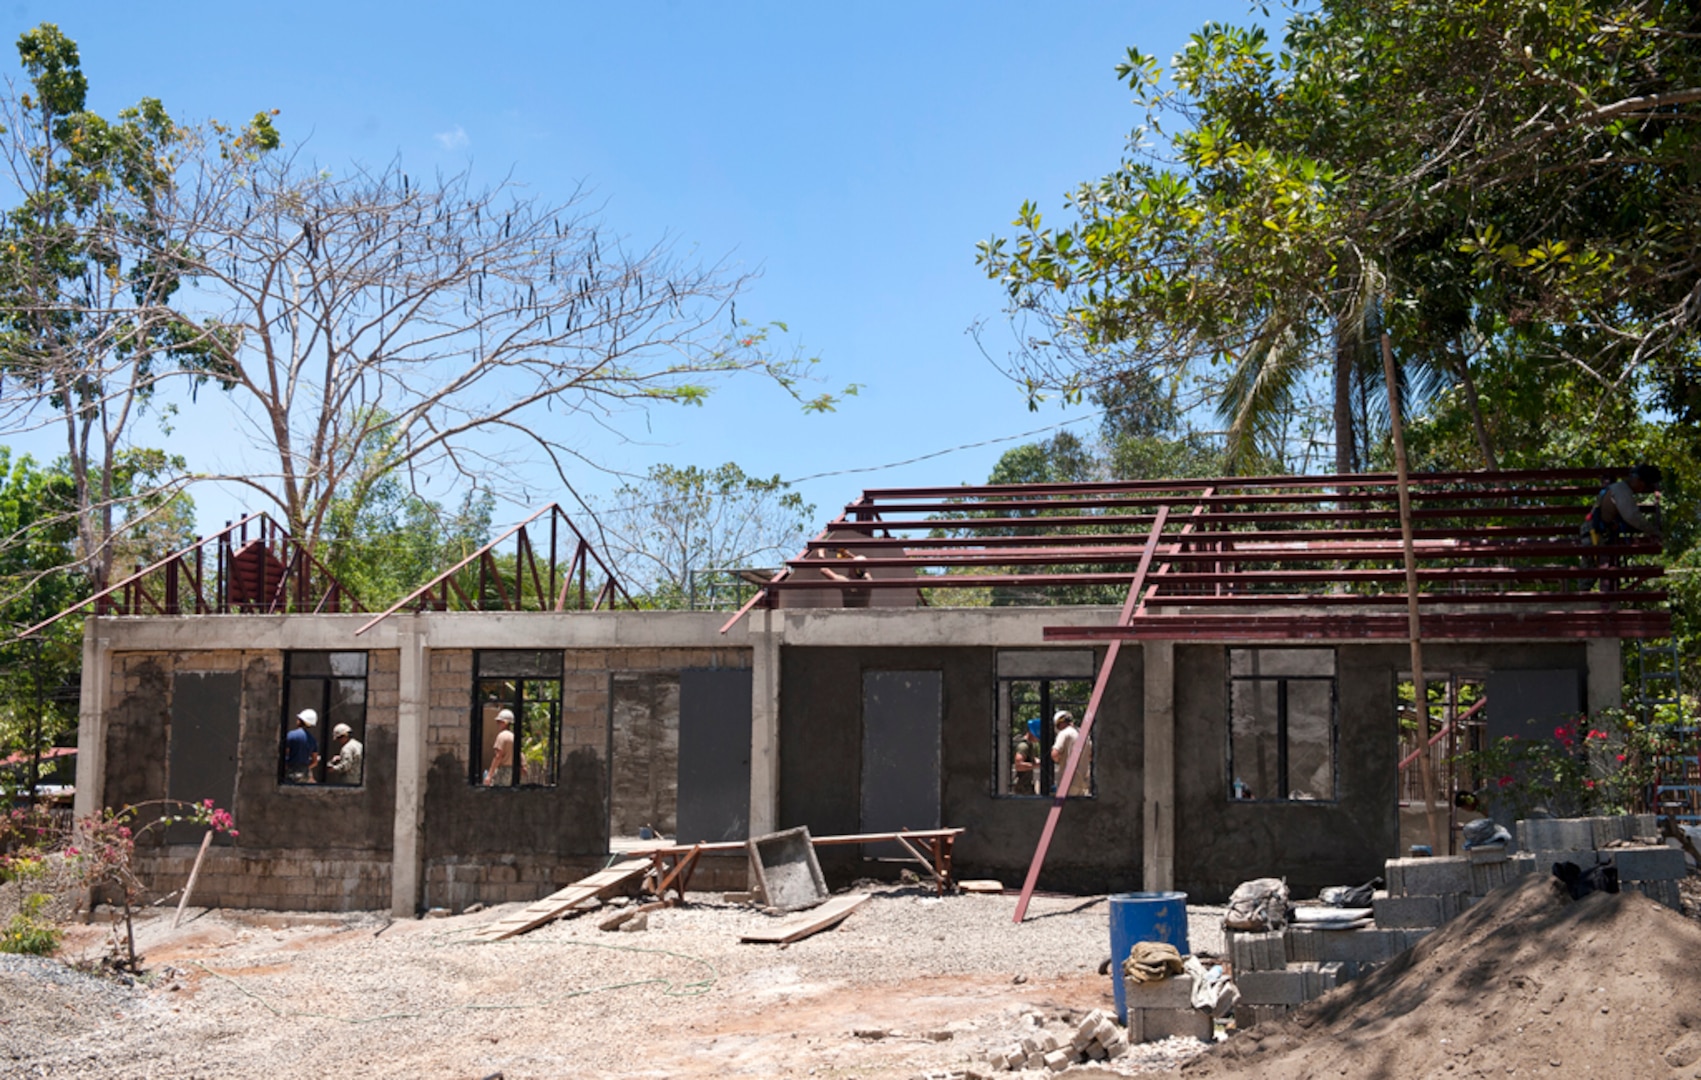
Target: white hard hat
{"x":340,"y":730}
{"x":506,"y":716}
{"x":1063,"y":715}
{"x":308,"y":717}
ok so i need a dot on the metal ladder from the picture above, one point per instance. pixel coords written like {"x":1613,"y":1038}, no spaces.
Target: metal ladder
{"x":1658,"y":683}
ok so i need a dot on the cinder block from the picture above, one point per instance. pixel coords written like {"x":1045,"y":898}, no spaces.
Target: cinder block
{"x":1300,"y":945}
{"x":1370,"y":945}
{"x":1257,"y":952}
{"x":1493,"y":853}
{"x":1176,"y":993}
{"x":1664,"y":892}
{"x":1150,"y":1025}
{"x":1321,"y":979}
{"x":1398,"y":912}
{"x":1454,"y":905}
{"x":1430,"y":877}
{"x":1607,"y":829}
{"x":1649,"y":864}
{"x":1555,"y":834}
{"x":1393,"y":875}
{"x":1647,"y":825}
{"x":1487,"y":877}
{"x":1273,"y":987}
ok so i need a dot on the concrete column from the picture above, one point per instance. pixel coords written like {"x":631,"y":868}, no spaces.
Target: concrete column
{"x":91,"y":720}
{"x":1605,"y":657}
{"x":764,"y":722}
{"x":407,"y":870}
{"x":1158,"y":850}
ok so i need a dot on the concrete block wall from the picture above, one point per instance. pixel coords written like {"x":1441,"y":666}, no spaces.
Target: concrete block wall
{"x":266,"y":865}
{"x":301,"y":879}
{"x":455,"y":883}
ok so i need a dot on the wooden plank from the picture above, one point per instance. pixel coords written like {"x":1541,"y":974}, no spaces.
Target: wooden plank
{"x":798,"y":927}
{"x":557,"y":904}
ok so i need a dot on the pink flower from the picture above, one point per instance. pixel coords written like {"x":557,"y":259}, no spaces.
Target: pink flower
{"x":1505,"y":781}
{"x":1590,"y":784}
{"x":1621,"y":757}
{"x":1597,"y":735}
{"x":71,"y":851}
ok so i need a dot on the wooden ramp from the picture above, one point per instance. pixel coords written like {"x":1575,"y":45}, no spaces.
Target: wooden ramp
{"x":798,"y":927}
{"x":560,"y":903}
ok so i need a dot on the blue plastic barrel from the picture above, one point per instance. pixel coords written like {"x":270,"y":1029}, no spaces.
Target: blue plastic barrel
{"x":1143,"y":916}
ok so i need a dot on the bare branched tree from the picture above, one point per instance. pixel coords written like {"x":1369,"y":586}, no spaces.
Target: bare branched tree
{"x":370,"y":322}
{"x":680,"y":521}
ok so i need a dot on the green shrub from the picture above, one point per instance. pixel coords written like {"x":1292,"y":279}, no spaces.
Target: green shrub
{"x":28,"y":932}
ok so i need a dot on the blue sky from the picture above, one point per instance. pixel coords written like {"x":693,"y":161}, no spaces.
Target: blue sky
{"x":853,"y":154}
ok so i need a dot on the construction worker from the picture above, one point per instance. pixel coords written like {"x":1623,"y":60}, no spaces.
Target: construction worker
{"x":1616,"y":507}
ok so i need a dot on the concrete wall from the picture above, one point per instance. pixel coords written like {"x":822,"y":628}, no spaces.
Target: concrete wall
{"x":299,"y":848}
{"x":1098,"y":842}
{"x":323,"y":848}
{"x":1220,"y":843}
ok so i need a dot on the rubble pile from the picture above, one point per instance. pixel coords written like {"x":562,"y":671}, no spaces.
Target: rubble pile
{"x":1097,"y":1037}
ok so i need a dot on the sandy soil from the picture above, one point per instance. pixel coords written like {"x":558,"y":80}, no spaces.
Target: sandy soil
{"x":1528,"y":982}
{"x":908,"y":986}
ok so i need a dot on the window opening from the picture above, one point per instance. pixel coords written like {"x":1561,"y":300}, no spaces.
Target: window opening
{"x":1028,"y":733}
{"x":1282,"y":724}
{"x":516,"y":718}
{"x":328,"y":689}
{"x":1457,"y":724}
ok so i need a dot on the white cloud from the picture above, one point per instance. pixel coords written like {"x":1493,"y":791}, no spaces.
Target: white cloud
{"x":453,"y":139}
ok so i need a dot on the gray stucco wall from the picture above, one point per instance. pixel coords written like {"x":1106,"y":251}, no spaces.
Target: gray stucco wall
{"x":1220,"y":843}
{"x":1098,"y":841}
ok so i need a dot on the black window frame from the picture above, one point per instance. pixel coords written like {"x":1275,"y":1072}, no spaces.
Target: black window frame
{"x":1283,"y":681}
{"x":518,"y":679}
{"x":1005,"y":733}
{"x":302,"y":668}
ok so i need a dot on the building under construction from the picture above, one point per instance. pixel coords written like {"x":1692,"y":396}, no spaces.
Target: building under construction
{"x":1236,"y":651}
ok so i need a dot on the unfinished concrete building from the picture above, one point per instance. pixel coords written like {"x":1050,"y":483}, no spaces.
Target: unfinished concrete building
{"x":1238,"y":647}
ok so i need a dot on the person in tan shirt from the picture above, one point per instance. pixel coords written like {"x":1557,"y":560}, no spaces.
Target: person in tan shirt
{"x":502,"y":752}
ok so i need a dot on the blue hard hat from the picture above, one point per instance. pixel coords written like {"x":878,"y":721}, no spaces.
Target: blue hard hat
{"x":1033,"y":727}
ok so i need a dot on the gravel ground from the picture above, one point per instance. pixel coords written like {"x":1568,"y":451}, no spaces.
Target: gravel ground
{"x":909,"y":985}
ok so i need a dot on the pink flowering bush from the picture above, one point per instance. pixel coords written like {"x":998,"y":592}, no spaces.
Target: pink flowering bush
{"x":100,"y":851}
{"x":1606,"y":765}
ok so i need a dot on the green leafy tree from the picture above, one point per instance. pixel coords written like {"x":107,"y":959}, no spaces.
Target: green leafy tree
{"x":91,"y":264}
{"x":1492,"y":184}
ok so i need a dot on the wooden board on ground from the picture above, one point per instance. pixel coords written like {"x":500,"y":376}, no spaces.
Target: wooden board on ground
{"x":560,"y":903}
{"x":981,"y":885}
{"x":799,"y":927}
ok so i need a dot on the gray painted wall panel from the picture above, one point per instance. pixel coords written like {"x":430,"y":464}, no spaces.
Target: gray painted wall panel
{"x":714,"y":754}
{"x":1530,"y":703}
{"x":902,"y":712}
{"x":206,"y":722}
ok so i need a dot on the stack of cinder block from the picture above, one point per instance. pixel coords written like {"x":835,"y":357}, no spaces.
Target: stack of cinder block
{"x":1097,"y":1038}
{"x":1424,"y":893}
{"x":1278,"y":970}
{"x":1630,"y":843}
{"x":1164,"y":1009}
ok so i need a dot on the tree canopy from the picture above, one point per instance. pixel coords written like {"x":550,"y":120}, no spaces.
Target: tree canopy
{"x":1505,"y":187}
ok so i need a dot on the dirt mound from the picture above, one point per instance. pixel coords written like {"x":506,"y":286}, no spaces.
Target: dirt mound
{"x":1528,"y":981}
